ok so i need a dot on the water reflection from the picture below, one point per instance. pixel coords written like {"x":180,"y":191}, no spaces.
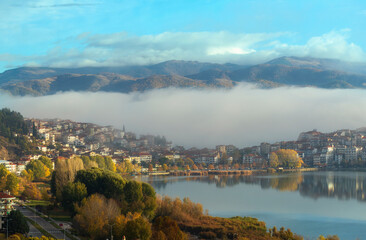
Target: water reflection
{"x":340,"y":185}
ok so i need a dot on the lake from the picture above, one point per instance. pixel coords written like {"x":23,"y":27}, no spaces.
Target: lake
{"x":309,"y":203}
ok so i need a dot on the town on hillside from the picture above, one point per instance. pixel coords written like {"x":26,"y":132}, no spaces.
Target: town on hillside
{"x":64,"y":138}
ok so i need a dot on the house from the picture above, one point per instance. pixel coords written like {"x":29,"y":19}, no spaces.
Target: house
{"x":6,"y":206}
{"x":10,"y":166}
{"x":145,"y":157}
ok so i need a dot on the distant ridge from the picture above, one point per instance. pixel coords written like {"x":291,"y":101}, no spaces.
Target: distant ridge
{"x":283,"y":71}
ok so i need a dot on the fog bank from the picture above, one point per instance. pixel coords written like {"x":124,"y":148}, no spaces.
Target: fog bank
{"x":243,"y":116}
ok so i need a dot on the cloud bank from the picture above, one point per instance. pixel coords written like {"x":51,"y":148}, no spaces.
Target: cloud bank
{"x":243,"y":116}
{"x":123,"y":49}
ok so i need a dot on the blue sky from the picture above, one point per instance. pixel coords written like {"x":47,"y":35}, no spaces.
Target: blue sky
{"x":70,"y":33}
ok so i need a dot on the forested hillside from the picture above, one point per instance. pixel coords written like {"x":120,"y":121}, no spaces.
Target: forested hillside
{"x":13,"y":140}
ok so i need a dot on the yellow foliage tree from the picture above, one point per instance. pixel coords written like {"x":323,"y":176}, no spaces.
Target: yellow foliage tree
{"x":289,"y":158}
{"x":95,"y":214}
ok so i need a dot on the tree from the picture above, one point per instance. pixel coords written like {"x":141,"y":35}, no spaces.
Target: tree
{"x":38,"y":169}
{"x":273,"y":160}
{"x":110,"y":164}
{"x":189,"y":162}
{"x":28,"y":176}
{"x":105,"y":182}
{"x":165,"y":167}
{"x":289,"y":158}
{"x":194,"y":167}
{"x":32,"y":192}
{"x":3,"y":171}
{"x":46,"y":161}
{"x":73,"y":193}
{"x":100,"y":161}
{"x":166,"y":227}
{"x":17,"y":223}
{"x":187,"y":167}
{"x":125,"y":167}
{"x":138,"y":229}
{"x":211,"y":167}
{"x":94,"y":215}
{"x":12,"y":183}
{"x":150,"y":167}
{"x":65,"y":172}
{"x":329,"y":237}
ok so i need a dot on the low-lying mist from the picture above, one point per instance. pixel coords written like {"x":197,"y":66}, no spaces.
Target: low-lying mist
{"x":243,"y":116}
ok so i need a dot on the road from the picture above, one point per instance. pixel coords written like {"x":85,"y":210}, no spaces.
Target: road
{"x":57,"y":233}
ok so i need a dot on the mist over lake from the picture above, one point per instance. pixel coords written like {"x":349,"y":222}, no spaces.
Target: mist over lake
{"x":309,"y":203}
{"x":243,"y":116}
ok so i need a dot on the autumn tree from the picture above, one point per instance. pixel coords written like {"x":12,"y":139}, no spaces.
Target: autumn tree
{"x":65,"y":172}
{"x":150,"y":167}
{"x":273,"y":160}
{"x":329,"y":237}
{"x":138,"y":229}
{"x":12,"y":183}
{"x":166,"y":228}
{"x":189,"y":162}
{"x":94,"y":215}
{"x":165,"y":167}
{"x":289,"y":158}
{"x":32,"y":192}
{"x":125,"y":167}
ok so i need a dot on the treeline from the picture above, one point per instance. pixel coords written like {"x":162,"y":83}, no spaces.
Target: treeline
{"x":11,"y":123}
{"x":14,"y":129}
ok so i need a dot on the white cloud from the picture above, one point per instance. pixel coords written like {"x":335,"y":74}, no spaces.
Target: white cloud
{"x":121,"y":49}
{"x":243,"y":116}
{"x":330,"y":45}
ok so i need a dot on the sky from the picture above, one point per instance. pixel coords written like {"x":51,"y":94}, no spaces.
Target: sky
{"x":70,"y":33}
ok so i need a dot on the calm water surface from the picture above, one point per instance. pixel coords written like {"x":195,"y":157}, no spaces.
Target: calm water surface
{"x":310,"y":203}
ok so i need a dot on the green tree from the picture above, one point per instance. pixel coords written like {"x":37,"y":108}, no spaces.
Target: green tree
{"x":38,"y":169}
{"x":73,"y":193}
{"x":17,"y":223}
{"x":149,"y":200}
{"x":100,"y":161}
{"x":46,"y":161}
{"x":96,"y":180}
{"x":3,"y":171}
{"x":12,"y":183}
{"x":138,"y":229}
{"x":110,"y":164}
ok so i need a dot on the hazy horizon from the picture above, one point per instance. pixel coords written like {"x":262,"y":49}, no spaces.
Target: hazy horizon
{"x":243,"y":116}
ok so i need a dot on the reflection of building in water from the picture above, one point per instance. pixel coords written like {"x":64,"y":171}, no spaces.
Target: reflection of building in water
{"x":340,"y":185}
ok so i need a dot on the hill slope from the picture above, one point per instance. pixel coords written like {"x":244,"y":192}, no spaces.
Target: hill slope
{"x":292,"y":71}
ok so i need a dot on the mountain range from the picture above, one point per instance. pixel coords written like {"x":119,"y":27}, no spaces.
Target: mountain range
{"x":284,"y":71}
